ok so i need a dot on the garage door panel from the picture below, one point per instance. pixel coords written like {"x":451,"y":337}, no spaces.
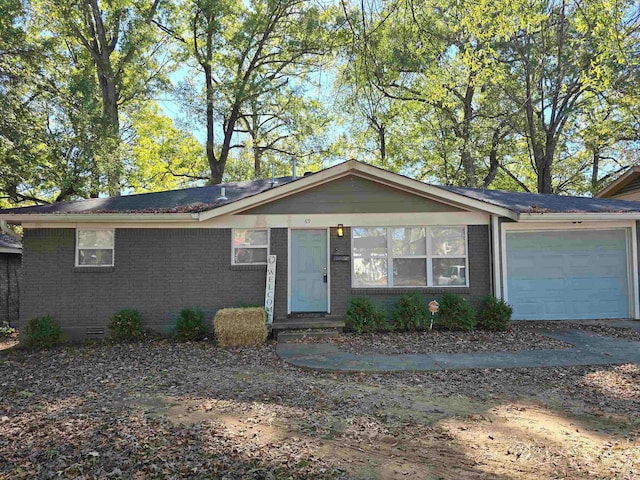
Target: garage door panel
{"x":575,"y":274}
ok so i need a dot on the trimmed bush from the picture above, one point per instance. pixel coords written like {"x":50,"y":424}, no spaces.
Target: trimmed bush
{"x":410,"y":313}
{"x":41,"y":332}
{"x":364,"y":316}
{"x":190,"y":325}
{"x":236,"y":327}
{"x":494,"y":315}
{"x":455,"y":313}
{"x":126,"y":326}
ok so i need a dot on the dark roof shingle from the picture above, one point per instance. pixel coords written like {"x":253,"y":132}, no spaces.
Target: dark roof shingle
{"x":199,"y":199}
{"x":188,"y":200}
{"x":523,"y":202}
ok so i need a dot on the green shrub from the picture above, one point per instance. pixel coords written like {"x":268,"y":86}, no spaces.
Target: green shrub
{"x":41,"y":332}
{"x":6,"y":330}
{"x":364,"y":316}
{"x":190,"y":325}
{"x":410,"y":313}
{"x":494,"y":314}
{"x":455,"y":313}
{"x":126,"y":326}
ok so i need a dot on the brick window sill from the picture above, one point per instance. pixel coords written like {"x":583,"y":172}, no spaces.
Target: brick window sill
{"x":93,"y":269}
{"x":248,"y":268}
{"x":400,"y":290}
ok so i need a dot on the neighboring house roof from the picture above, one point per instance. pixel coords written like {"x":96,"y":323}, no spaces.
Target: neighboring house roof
{"x":8,"y":244}
{"x":202,"y":203}
{"x":627,"y":182}
{"x":522,"y":202}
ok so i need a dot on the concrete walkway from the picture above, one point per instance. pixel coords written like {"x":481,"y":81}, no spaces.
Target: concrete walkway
{"x":588,"y":349}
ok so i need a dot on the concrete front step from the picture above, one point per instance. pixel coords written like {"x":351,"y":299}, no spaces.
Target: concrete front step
{"x":288,"y":336}
{"x":308,"y":323}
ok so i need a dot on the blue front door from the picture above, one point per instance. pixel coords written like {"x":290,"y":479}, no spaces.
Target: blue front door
{"x":309,"y":271}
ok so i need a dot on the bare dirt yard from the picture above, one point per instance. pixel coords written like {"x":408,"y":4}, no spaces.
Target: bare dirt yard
{"x":166,"y":410}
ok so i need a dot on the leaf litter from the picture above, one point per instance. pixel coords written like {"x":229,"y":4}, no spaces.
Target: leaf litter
{"x":166,"y":410}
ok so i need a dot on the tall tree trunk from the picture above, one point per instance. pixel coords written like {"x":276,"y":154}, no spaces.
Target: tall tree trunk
{"x":110,"y":98}
{"x":217,"y":169}
{"x":257,"y":161}
{"x":210,"y":147}
{"x":382,"y":139}
{"x":493,"y":157}
{"x":465,"y":151}
{"x":595,"y":170}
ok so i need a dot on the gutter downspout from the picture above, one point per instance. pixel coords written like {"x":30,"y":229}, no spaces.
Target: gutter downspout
{"x":4,"y":227}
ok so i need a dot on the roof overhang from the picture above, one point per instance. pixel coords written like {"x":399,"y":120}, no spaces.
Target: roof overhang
{"x":16,"y":250}
{"x":17,"y":219}
{"x":578,"y":217}
{"x":363,"y":170}
{"x":619,"y":183}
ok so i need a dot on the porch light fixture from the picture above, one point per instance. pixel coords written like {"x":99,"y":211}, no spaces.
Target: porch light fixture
{"x":340,"y":230}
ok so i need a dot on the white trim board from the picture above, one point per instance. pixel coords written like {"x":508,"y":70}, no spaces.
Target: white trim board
{"x":495,"y":256}
{"x":578,"y":217}
{"x":297,"y":221}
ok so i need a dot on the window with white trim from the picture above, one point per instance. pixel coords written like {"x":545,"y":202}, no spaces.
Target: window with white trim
{"x":250,"y":246}
{"x":413,"y":256}
{"x":95,"y":248}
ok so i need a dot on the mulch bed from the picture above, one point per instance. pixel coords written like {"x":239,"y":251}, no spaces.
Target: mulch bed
{"x":521,"y":336}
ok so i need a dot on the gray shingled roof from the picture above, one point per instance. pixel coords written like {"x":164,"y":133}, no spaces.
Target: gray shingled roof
{"x":187,"y":200}
{"x":7,"y":241}
{"x":522,"y":202}
{"x":198,"y":199}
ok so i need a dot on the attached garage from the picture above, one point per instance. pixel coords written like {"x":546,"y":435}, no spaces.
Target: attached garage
{"x":569,"y":274}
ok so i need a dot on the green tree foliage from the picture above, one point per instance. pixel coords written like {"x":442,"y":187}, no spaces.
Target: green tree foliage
{"x":161,"y":156}
{"x":536,"y":95}
{"x":124,"y":52}
{"x":497,"y":93}
{"x":249,"y":53}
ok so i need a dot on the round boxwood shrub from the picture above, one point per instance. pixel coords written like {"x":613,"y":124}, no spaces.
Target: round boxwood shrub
{"x":455,"y":313}
{"x":494,"y":314}
{"x":190,"y":325}
{"x":364,"y":316}
{"x":410,"y":313}
{"x":41,"y":332}
{"x":126,"y":326}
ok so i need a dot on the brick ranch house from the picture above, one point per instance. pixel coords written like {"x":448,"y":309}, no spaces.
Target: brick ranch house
{"x":352,"y":229}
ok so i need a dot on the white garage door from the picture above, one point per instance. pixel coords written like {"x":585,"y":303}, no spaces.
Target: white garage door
{"x":565,"y":275}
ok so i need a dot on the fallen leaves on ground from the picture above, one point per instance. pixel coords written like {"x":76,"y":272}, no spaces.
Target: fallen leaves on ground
{"x":167,"y":410}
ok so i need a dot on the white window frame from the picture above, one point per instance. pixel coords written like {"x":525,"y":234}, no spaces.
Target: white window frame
{"x":77,"y":249}
{"x":267,"y":246}
{"x":429,"y":258}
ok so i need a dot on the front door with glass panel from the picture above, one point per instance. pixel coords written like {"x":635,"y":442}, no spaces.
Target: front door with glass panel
{"x":308,"y":257}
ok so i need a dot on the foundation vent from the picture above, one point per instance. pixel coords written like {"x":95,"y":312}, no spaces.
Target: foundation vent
{"x":95,"y":332}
